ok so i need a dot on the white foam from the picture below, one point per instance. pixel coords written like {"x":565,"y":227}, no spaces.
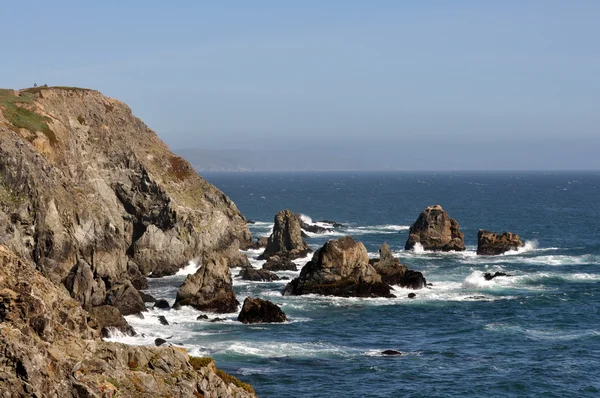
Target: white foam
{"x":191,"y":268}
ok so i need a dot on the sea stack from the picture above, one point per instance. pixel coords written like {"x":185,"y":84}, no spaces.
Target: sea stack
{"x":436,"y":231}
{"x":394,"y":273}
{"x":491,"y":243}
{"x":286,"y":239}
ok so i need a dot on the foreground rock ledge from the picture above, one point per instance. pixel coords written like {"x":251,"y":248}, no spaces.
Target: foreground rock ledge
{"x":436,"y":231}
{"x":491,"y":243}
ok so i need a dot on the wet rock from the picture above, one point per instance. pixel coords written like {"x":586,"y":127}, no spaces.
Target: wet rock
{"x":126,"y":298}
{"x":412,"y":295}
{"x":313,"y":228}
{"x":394,"y":273}
{"x":147,"y":298}
{"x":335,"y":224}
{"x":258,"y":275}
{"x":491,"y":243}
{"x":276,"y":263}
{"x":201,"y":317}
{"x":162,"y":304}
{"x":489,"y":276}
{"x":339,"y":268}
{"x":257,"y":310}
{"x":286,"y":239}
{"x":210,"y":288}
{"x":163,"y":320}
{"x":391,"y":352}
{"x":158,"y":342}
{"x":436,"y":231}
{"x":217,"y":320}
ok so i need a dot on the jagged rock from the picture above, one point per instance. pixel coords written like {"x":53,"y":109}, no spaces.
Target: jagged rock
{"x":158,"y":342}
{"x":126,"y":298}
{"x":391,"y":352}
{"x":491,"y":243}
{"x":276,"y":263}
{"x":210,"y":288}
{"x":257,"y":310}
{"x":435,"y":230}
{"x":147,"y":298}
{"x":286,"y":239}
{"x":259,"y":275}
{"x":83,"y":287}
{"x":339,"y":268}
{"x":489,"y":276}
{"x":394,"y":273}
{"x":163,"y":320}
{"x":106,"y":317}
{"x":162,"y":304}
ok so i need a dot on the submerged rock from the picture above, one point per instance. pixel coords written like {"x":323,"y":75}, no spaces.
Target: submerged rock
{"x":313,"y":228}
{"x":394,"y":273}
{"x":491,"y":243}
{"x":339,"y":268}
{"x":286,"y":239}
{"x":258,"y":275}
{"x":436,"y":231}
{"x":162,"y":304}
{"x":488,"y":276}
{"x":412,"y":295}
{"x":391,"y":352}
{"x":163,"y":320}
{"x":257,"y":310}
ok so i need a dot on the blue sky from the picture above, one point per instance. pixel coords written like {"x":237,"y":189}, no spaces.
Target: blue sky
{"x":513,"y":81}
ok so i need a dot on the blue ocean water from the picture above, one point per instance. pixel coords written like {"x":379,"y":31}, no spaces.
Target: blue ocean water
{"x":536,"y":333}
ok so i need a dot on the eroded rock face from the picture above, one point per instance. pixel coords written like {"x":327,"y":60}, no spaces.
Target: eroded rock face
{"x":491,"y":243}
{"x":210,"y":288}
{"x":286,"y":239}
{"x":257,"y":310}
{"x":339,"y":268}
{"x":436,"y":231}
{"x":394,"y":273}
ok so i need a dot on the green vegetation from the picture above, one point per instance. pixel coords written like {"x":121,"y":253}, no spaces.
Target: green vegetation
{"x":200,"y":362}
{"x":114,"y":382}
{"x":9,"y":197}
{"x":229,"y":379}
{"x":23,"y":118}
{"x":36,"y":90}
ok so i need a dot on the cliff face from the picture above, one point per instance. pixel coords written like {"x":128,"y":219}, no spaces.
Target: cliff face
{"x":83,"y":181}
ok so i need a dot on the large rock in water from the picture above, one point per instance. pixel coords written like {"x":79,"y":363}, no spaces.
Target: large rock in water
{"x":210,"y":288}
{"x":257,"y":310}
{"x":394,"y":273}
{"x":92,"y":184}
{"x":339,"y":268}
{"x":435,"y":230}
{"x":286,"y":239}
{"x":491,"y":243}
{"x":258,"y":275}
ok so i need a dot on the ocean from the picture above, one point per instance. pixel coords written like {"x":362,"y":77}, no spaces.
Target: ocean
{"x":535,"y":333}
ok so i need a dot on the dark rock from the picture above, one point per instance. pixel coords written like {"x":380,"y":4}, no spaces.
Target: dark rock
{"x":162,"y":304}
{"x":394,"y":273}
{"x":163,"y":320}
{"x":339,"y":268}
{"x":488,"y":276}
{"x":147,"y":298}
{"x":217,"y":320}
{"x":256,"y":310}
{"x":491,"y":243}
{"x":258,"y":275}
{"x":284,"y":278}
{"x":391,"y":352}
{"x":333,"y":223}
{"x":315,"y":229}
{"x":276,"y":263}
{"x":412,"y":295}
{"x":286,"y":239}
{"x":304,"y":235}
{"x":107,"y":316}
{"x":126,"y":298}
{"x":201,"y":317}
{"x":158,"y":342}
{"x":435,"y":230}
{"x":210,"y":288}
{"x":259,"y":243}
{"x":251,"y":221}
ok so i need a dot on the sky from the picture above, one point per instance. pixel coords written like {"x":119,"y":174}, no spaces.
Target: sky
{"x":428,"y":84}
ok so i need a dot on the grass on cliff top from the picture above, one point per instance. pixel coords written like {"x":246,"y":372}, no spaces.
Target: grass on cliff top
{"x":39,"y":89}
{"x":20,"y":117}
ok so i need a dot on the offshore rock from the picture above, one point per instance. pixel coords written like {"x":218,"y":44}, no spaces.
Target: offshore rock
{"x":339,"y":268}
{"x":394,"y":273}
{"x":258,"y":275}
{"x":257,"y":310}
{"x":210,"y":288}
{"x":436,"y":231}
{"x":491,"y":243}
{"x":276,"y":263}
{"x":286,"y":239}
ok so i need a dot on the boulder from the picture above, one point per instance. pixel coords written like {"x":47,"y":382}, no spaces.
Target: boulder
{"x":210,"y":288}
{"x":339,"y":268}
{"x":163,"y":320}
{"x":158,"y":342}
{"x":147,"y":298}
{"x":202,"y":317}
{"x":491,"y":243}
{"x":412,"y":295}
{"x":276,"y":263}
{"x":257,"y":310}
{"x":258,"y":275}
{"x":489,"y":276}
{"x":106,"y":317}
{"x":126,"y":298}
{"x":83,"y":287}
{"x":436,"y":231}
{"x":394,"y":273}
{"x":286,"y":239}
{"x":162,"y":304}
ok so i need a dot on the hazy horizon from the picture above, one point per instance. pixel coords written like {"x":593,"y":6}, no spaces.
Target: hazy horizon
{"x":466,"y":85}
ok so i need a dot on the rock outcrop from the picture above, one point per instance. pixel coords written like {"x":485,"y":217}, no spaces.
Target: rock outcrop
{"x":339,"y":268}
{"x":258,"y":275}
{"x":257,"y":310}
{"x":436,"y":231}
{"x":276,"y":263}
{"x":51,"y":347}
{"x":394,"y":273}
{"x":210,"y":288}
{"x":286,"y":239}
{"x":491,"y":243}
{"x":93,"y":197}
